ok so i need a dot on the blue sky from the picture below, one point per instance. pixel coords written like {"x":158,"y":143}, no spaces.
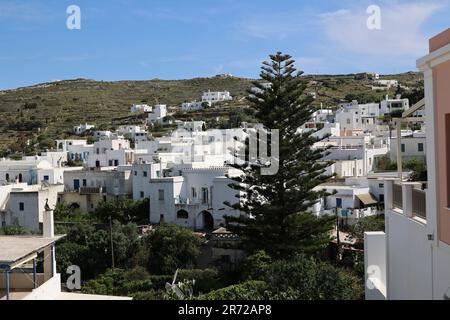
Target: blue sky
{"x":175,"y":39}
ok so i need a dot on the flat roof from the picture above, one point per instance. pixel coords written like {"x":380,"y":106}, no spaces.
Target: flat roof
{"x":17,"y":249}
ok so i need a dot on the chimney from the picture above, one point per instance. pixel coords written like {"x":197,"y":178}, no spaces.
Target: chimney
{"x":48,"y":224}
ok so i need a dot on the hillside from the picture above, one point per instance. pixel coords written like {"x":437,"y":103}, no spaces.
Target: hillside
{"x":48,"y":111}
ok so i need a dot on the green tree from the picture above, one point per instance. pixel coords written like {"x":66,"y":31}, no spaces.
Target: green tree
{"x":298,"y":278}
{"x":66,"y":213}
{"x":123,"y":210}
{"x":276,"y":218}
{"x":170,"y":248}
{"x":89,"y":247}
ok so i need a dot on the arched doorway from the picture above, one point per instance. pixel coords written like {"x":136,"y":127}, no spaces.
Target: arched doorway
{"x":207,"y":221}
{"x":20,"y":177}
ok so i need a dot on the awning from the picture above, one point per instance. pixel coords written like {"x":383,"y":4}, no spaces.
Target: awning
{"x":367,"y":199}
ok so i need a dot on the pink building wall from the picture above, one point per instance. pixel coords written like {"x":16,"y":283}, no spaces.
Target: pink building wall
{"x":441,"y":88}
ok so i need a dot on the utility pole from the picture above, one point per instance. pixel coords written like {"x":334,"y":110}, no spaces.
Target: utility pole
{"x":112,"y":242}
{"x":338,"y":241}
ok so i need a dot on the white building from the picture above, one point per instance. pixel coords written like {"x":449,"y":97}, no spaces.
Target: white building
{"x":136,"y":133}
{"x":85,"y":189}
{"x":25,"y":205}
{"x":411,"y":147}
{"x":216,"y":96}
{"x":110,"y":153}
{"x":194,"y":198}
{"x":191,"y":126}
{"x":194,"y":105}
{"x":350,"y":201}
{"x":140,"y":108}
{"x":388,"y":83}
{"x":388,"y":105}
{"x":77,"y":150}
{"x":32,"y":170}
{"x":82,"y":128}
{"x":158,"y":114}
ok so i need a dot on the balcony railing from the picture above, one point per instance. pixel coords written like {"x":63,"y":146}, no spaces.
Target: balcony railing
{"x":91,"y":190}
{"x":419,"y":204}
{"x":397,"y":197}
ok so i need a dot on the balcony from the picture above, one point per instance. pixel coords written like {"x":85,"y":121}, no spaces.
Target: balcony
{"x":407,"y":198}
{"x":91,"y":190}
{"x":419,"y":203}
{"x":397,"y":196}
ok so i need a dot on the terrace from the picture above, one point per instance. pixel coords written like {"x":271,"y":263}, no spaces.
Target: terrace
{"x":19,"y":278}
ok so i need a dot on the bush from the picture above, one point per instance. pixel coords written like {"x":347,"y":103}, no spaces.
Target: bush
{"x":206,"y":280}
{"x":304,"y":278}
{"x":249,"y":290}
{"x":14,"y":231}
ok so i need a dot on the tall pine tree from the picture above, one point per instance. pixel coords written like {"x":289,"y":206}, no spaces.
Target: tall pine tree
{"x":275,"y":206}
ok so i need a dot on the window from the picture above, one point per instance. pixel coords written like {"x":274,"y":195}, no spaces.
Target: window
{"x":7,"y":177}
{"x":142,"y":194}
{"x":84,"y":183}
{"x":381,"y":185}
{"x":161,"y":194}
{"x":144,"y":173}
{"x":135,"y":173}
{"x":348,"y":121}
{"x":205,"y":195}
{"x":182,"y":214}
{"x":194,"y":192}
{"x":158,"y":174}
{"x":110,"y":163}
{"x":381,"y":198}
{"x":420,"y":147}
{"x":116,"y":163}
{"x":338,"y":203}
{"x":21,"y":206}
{"x":403,"y":147}
{"x":46,"y":178}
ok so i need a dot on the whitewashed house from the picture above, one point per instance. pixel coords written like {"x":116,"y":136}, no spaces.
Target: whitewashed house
{"x":77,"y":150}
{"x":216,"y":96}
{"x":82,"y":128}
{"x":136,"y":133}
{"x":349,"y":201}
{"x":194,"y":198}
{"x":110,"y":153}
{"x":388,"y":105}
{"x":412,"y":146}
{"x":158,"y":114}
{"x":25,"y":204}
{"x":85,"y":189}
{"x":140,"y":108}
{"x":194,"y":105}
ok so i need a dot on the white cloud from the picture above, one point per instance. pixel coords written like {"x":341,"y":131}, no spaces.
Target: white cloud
{"x":400,"y":33}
